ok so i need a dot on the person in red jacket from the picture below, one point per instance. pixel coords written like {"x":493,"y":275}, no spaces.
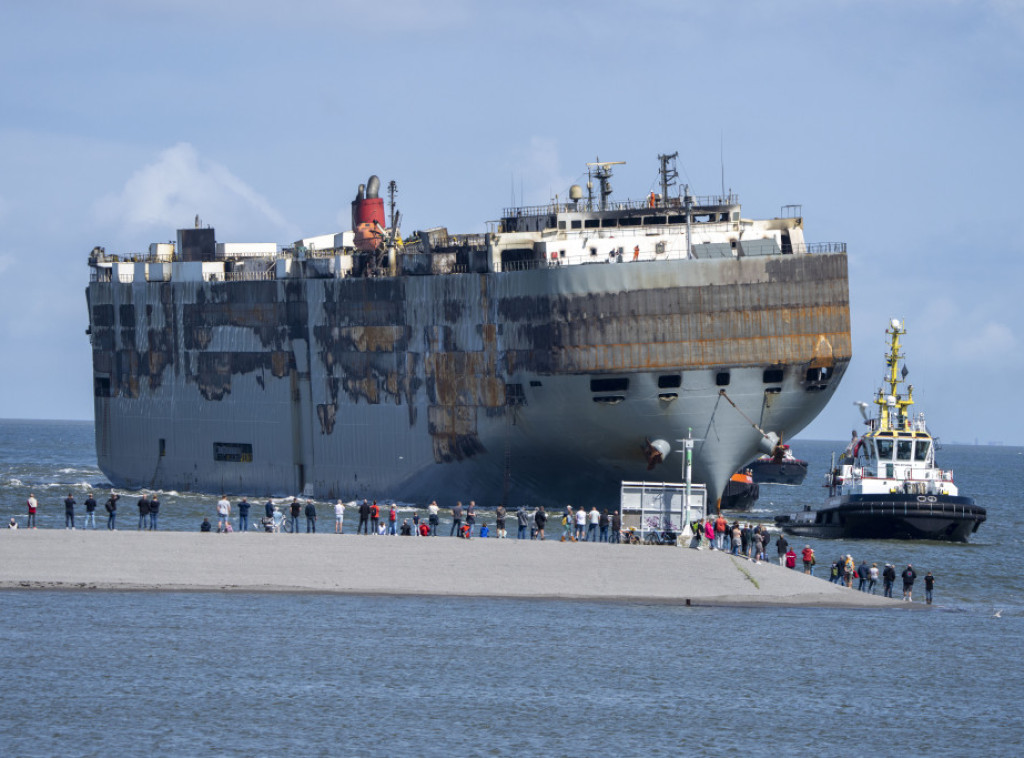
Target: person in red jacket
{"x":808,"y":558}
{"x":374,"y":516}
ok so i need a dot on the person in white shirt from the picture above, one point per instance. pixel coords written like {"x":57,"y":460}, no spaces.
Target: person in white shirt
{"x":339,"y":517}
{"x":223,"y":512}
{"x":581,"y":524}
{"x":595,"y":519}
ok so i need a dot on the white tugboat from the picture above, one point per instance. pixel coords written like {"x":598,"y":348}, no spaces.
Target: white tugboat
{"x":887,"y":485}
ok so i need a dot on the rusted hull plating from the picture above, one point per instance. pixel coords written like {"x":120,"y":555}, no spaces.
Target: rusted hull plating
{"x":436,"y":387}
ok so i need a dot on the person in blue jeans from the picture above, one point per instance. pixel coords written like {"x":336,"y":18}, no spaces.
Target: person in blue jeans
{"x":154,"y":509}
{"x":524,"y":522}
{"x":90,"y":512}
{"x":243,"y":515}
{"x":310,"y":518}
{"x":294,"y":509}
{"x":111,"y":507}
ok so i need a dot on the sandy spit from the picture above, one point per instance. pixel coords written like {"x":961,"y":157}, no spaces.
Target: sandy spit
{"x":433,"y":566}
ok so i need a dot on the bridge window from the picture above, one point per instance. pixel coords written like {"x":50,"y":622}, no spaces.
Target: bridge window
{"x":591,"y":223}
{"x":884,"y":450}
{"x":904,"y":448}
{"x":921,"y":450}
{"x":577,"y":224}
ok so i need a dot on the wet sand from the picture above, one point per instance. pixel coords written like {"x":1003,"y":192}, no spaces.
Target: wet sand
{"x":435,"y":566}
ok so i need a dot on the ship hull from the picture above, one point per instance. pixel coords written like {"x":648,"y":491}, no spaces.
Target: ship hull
{"x":889,"y":517}
{"x":464,"y":386}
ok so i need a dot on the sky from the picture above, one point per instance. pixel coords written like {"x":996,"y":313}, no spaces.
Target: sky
{"x":894,"y":124}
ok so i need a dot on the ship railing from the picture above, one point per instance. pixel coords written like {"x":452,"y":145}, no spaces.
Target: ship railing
{"x":674,"y":203}
{"x":815,"y":247}
{"x":249,"y":276}
{"x":100,"y":274}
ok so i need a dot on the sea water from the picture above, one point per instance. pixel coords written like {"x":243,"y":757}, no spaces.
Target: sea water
{"x":121,"y":673}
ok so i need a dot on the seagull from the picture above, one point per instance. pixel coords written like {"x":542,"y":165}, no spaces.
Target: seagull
{"x":998,"y":614}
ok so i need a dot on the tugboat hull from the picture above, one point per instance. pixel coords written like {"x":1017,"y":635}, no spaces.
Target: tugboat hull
{"x":893,"y":517}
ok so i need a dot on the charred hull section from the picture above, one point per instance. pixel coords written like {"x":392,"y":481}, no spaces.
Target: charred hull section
{"x":424,"y":387}
{"x":899,"y":517}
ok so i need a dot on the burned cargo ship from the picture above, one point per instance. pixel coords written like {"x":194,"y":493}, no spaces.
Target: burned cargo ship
{"x":564,"y":350}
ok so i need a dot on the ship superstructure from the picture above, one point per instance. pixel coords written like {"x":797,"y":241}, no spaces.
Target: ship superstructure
{"x":565,"y":350}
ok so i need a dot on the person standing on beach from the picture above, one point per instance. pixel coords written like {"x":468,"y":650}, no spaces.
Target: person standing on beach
{"x":888,"y":579}
{"x":872,"y":578}
{"x":781,"y":547}
{"x":523,"y":519}
{"x":339,"y":517}
{"x":808,"y":559}
{"x":540,"y":518}
{"x":929,"y":585}
{"x":154,"y":510}
{"x":33,"y":506}
{"x":223,"y":511}
{"x":721,"y":528}
{"x":90,"y":512}
{"x":374,"y":517}
{"x":433,"y":517}
{"x":863,"y":570}
{"x":849,"y":568}
{"x":581,"y":524}
{"x":602,"y":524}
{"x":69,"y":511}
{"x":243,"y":514}
{"x":471,"y":516}
{"x":908,"y":576}
{"x":143,"y":505}
{"x":456,"y":519}
{"x":392,"y":520}
{"x":268,"y":508}
{"x":111,"y":506}
{"x":499,"y":521}
{"x":594,"y":518}
{"x":364,"y":517}
{"x":616,"y":527}
{"x":294,"y":509}
{"x":310,"y":517}
{"x":791,"y":559}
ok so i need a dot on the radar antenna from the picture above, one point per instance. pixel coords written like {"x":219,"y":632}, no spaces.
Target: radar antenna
{"x":603,"y":173}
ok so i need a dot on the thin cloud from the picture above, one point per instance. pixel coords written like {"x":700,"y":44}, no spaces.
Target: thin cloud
{"x":179,"y":185}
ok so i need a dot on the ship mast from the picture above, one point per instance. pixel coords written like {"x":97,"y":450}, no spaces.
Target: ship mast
{"x":667,"y":173}
{"x":892,"y":412}
{"x":603,"y":173}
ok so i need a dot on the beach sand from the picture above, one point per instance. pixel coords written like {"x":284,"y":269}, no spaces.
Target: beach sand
{"x":434,"y":566}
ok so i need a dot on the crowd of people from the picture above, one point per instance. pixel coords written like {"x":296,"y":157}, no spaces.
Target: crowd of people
{"x":750,"y":541}
{"x":845,"y":570}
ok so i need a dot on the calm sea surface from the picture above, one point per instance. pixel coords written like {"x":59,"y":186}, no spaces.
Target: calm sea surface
{"x":114,"y":673}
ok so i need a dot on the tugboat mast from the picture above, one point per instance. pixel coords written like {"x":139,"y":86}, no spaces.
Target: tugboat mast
{"x":893,"y":407}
